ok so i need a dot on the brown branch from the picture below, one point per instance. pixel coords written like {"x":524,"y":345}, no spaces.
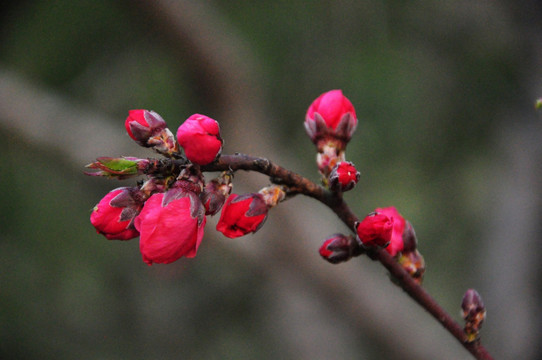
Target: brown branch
{"x":335,"y":202}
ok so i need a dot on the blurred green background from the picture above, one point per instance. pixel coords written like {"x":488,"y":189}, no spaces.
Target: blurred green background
{"x":444,"y":93}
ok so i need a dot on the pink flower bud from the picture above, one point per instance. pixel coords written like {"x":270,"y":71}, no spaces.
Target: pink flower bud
{"x":171,"y":226}
{"x":338,"y":248}
{"x":141,"y":125}
{"x":343,"y":177}
{"x":375,"y":230}
{"x":331,"y":115}
{"x":113,"y":215}
{"x":200,"y":138}
{"x":242,"y":214}
{"x":396,"y":241}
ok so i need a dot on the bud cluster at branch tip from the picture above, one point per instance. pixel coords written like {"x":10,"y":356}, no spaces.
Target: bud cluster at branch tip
{"x":474,"y":314}
{"x":168,"y":211}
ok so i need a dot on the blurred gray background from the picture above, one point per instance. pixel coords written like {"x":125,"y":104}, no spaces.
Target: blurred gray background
{"x":448,"y":133}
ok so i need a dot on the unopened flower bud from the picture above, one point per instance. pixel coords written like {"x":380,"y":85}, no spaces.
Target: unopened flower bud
{"x":242,"y":214}
{"x":343,"y":177}
{"x":141,"y":125}
{"x":396,"y":241}
{"x":374,"y":230}
{"x":474,"y":314}
{"x":113,"y":216}
{"x":338,"y":248}
{"x":171,"y":226}
{"x":148,"y":129}
{"x":215,"y":193}
{"x":200,"y":138}
{"x":331,"y":116}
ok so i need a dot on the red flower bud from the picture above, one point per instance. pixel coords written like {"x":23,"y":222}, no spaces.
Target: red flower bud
{"x":141,"y":125}
{"x":242,"y":214}
{"x":113,"y":215}
{"x":331,"y":115}
{"x":396,"y":241}
{"x":375,"y":230}
{"x":171,"y":226}
{"x":200,"y":138}
{"x":338,"y":248}
{"x":343,"y":177}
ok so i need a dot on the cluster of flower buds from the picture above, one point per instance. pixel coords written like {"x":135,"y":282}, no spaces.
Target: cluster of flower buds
{"x":474,"y":314}
{"x":330,"y":122}
{"x":383,"y":228}
{"x":168,"y":211}
{"x":386,"y":228}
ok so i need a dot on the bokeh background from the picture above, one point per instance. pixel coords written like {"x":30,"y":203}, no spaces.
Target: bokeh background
{"x":448,"y":134}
